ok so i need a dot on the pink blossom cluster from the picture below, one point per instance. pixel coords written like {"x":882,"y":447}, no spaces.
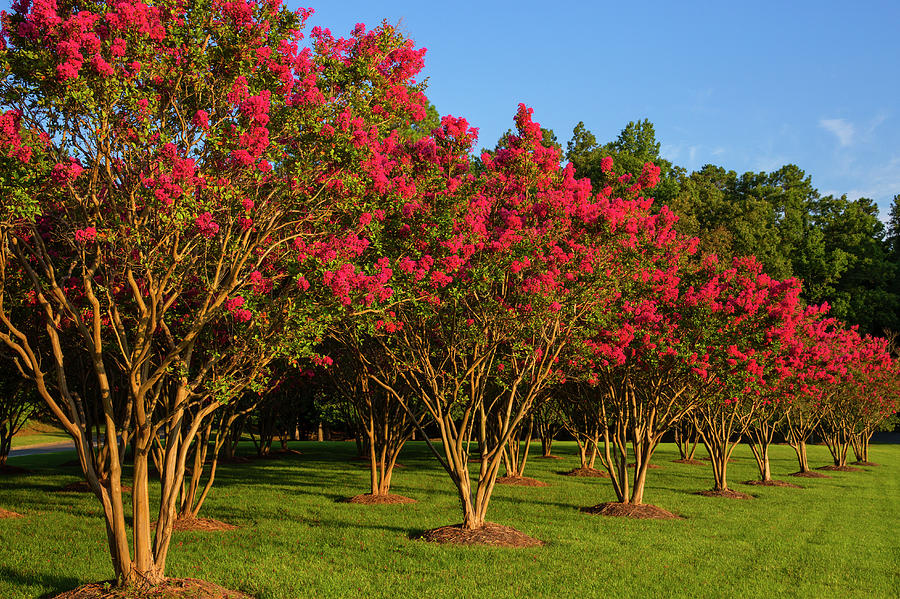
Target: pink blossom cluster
{"x":11,"y":137}
{"x":96,"y":38}
{"x":170,"y":176}
{"x":206,"y":226}
{"x":66,"y":172}
{"x":346,"y":283}
{"x":235,"y":306}
{"x":86,"y":235}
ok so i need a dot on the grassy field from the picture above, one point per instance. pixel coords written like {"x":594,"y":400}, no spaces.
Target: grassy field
{"x":837,"y":537}
{"x":38,"y":433}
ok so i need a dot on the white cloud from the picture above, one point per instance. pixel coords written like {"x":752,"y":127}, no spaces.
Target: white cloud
{"x":882,"y":182}
{"x":843,"y":130}
{"x":692,"y":154}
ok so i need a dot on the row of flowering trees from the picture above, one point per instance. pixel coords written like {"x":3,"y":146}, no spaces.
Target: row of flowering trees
{"x":613,"y":315}
{"x":193,"y":192}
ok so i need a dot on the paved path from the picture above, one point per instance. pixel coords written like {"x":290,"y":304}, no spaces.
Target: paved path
{"x":41,"y":449}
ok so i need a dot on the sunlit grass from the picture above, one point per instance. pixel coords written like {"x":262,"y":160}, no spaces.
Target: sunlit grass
{"x":836,"y":537}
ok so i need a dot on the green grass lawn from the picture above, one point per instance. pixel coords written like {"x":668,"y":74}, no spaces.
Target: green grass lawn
{"x":25,"y":441}
{"x":38,"y":433}
{"x":837,"y":537}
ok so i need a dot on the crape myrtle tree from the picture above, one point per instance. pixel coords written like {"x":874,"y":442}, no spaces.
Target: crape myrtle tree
{"x":18,"y":403}
{"x":159,"y":162}
{"x":583,"y":419}
{"x":484,"y":343}
{"x":385,"y":423}
{"x":548,"y":420}
{"x":484,"y":280}
{"x":816,"y":365}
{"x":877,"y":411}
{"x":747,"y":317}
{"x":863,"y":400}
{"x":630,"y":354}
{"x":768,"y":418}
{"x":215,"y":433}
{"x":687,"y":437}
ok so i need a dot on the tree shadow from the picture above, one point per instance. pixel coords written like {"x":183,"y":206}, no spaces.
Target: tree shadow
{"x":59,"y":584}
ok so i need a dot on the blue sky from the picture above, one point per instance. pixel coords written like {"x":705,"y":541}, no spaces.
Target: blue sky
{"x":748,"y":86}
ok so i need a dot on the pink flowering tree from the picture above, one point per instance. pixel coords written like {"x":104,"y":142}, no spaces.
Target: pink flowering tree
{"x":747,"y":316}
{"x":386,"y":424}
{"x":171,"y":160}
{"x":783,"y":363}
{"x":878,"y":408}
{"x":816,"y":365}
{"x":470,"y":285}
{"x":632,"y":361}
{"x":865,"y":397}
{"x":583,"y":418}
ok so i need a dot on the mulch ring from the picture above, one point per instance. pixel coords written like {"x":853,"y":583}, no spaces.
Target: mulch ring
{"x":201,"y":524}
{"x":771,"y":483}
{"x":172,"y":588}
{"x":549,"y":457}
{"x":369,"y":499}
{"x":9,"y":514}
{"x":809,"y":474}
{"x":833,"y":468}
{"x":690,"y":462}
{"x":727,"y":494}
{"x":520,"y":481}
{"x":629,"y":510}
{"x":870,"y":464}
{"x":82,"y":486}
{"x":587,"y":472}
{"x":650,"y":466}
{"x":494,"y":535}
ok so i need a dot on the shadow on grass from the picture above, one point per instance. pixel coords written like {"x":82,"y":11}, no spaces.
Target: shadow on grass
{"x":59,"y":584}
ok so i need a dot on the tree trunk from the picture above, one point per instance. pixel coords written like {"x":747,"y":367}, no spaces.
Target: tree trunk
{"x":546,"y":446}
{"x":593,"y":455}
{"x":718,"y":456}
{"x":861,"y":446}
{"x":761,"y":454}
{"x":760,"y":439}
{"x":800,"y":449}
{"x":582,"y":452}
{"x":838,"y":444}
{"x":640,"y":480}
{"x":144,"y":568}
{"x":5,"y":445}
{"x":471,"y":520}
{"x":687,"y":439}
{"x":374,"y":478}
